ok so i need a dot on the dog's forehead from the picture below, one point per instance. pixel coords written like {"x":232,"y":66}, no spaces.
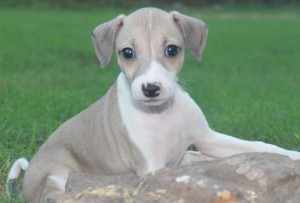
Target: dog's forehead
{"x":149,"y":21}
{"x":145,"y":14}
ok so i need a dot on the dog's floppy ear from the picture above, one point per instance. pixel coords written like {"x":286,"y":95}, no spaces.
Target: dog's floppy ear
{"x":194,"y":32}
{"x":104,"y":37}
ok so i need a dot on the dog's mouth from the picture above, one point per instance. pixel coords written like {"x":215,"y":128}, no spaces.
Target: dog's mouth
{"x":153,"y":102}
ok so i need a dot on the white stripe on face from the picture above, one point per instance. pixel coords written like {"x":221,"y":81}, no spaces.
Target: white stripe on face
{"x":155,"y":74}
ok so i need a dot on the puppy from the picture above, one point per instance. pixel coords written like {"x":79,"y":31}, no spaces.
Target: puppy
{"x":145,"y":121}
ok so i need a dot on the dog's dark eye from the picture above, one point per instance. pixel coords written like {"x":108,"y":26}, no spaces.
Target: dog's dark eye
{"x":172,"y":50}
{"x":128,"y":53}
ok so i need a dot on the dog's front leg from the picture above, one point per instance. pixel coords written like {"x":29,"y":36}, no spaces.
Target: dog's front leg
{"x":220,"y":145}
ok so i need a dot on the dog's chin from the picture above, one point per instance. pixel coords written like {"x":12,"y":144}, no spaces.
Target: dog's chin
{"x":153,"y":102}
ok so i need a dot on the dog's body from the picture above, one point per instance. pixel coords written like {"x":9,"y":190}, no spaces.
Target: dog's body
{"x":145,"y":121}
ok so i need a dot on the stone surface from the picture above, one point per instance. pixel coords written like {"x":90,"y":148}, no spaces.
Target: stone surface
{"x":251,"y":178}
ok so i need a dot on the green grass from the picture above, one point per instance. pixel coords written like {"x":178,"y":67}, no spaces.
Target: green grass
{"x":247,"y":83}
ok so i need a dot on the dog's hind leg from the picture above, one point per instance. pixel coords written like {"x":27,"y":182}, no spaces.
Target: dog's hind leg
{"x":40,"y":185}
{"x":54,"y":186}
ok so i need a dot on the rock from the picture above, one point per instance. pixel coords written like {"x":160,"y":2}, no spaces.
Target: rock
{"x":251,"y":178}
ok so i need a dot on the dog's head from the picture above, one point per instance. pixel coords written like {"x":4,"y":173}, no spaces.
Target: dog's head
{"x":149,"y":44}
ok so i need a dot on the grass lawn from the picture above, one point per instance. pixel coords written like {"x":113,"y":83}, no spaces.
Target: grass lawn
{"x":247,"y":84}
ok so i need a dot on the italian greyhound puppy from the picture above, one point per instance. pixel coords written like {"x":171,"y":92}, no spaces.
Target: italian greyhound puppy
{"x":145,"y":121}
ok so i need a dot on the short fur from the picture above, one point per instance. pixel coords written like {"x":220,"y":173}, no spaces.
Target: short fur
{"x":128,"y":130}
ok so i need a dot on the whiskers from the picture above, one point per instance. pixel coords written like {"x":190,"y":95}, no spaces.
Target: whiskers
{"x":185,"y":84}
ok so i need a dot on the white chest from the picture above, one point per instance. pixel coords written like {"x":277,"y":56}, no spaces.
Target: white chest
{"x":159,"y":135}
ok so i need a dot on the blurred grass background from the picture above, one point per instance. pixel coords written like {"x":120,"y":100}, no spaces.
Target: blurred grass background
{"x":247,"y":84}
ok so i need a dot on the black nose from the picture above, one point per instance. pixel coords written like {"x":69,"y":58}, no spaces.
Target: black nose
{"x":151,"y":89}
